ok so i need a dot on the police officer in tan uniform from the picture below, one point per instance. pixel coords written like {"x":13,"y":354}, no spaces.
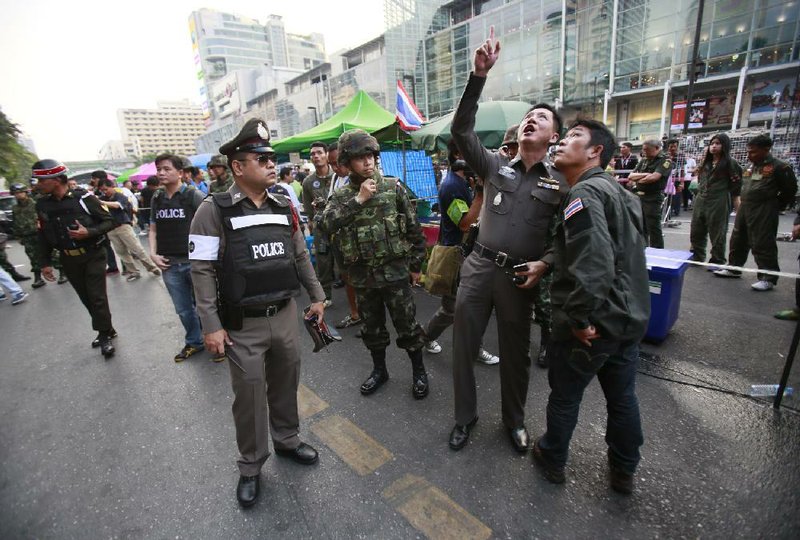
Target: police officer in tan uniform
{"x":249,"y":242}
{"x":521,"y":198}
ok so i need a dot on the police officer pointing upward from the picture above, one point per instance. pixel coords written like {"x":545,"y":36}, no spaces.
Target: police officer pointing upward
{"x":248,"y":261}
{"x":74,"y":222}
{"x":520,"y":198}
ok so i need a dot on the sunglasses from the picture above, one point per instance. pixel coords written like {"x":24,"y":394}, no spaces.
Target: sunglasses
{"x":262,"y":159}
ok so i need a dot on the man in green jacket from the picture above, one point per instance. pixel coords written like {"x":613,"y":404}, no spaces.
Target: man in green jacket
{"x":601,"y":305}
{"x":382,"y":247}
{"x":768,"y":186}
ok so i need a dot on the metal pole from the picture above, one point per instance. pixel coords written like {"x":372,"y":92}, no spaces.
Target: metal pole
{"x":664,"y":102}
{"x":594,"y":98}
{"x":612,"y":60}
{"x":606,"y":98}
{"x":787,"y":368}
{"x":693,"y":65}
{"x":739,"y":95}
{"x":774,"y":121}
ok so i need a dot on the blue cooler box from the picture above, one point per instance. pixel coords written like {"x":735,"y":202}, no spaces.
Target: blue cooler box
{"x":666,"y":284}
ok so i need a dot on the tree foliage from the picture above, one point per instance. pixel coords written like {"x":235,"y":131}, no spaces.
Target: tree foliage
{"x":15,"y":160}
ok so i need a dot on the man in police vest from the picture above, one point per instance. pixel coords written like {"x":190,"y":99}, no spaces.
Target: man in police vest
{"x":74,"y":222}
{"x":171,"y":211}
{"x":382,"y":248}
{"x":249,"y":261}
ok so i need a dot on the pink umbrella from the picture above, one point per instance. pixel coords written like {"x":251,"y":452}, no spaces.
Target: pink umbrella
{"x":145,"y":171}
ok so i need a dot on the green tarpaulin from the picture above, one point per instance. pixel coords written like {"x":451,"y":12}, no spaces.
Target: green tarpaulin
{"x":362,"y":112}
{"x":491,"y":122}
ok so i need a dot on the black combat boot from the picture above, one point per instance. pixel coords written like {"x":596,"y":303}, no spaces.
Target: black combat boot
{"x":62,"y":277}
{"x":38,"y":281}
{"x":419,"y":385}
{"x":541,"y":359}
{"x":379,"y":374}
{"x":106,"y":347}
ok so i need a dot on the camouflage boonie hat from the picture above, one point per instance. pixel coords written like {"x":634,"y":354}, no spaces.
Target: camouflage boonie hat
{"x":218,"y":161}
{"x":355,"y":143}
{"x":511,"y":135}
{"x":185,"y":163}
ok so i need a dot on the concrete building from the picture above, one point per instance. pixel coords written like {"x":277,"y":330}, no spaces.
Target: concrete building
{"x":116,"y":150}
{"x":224,"y":43}
{"x":172,"y":127}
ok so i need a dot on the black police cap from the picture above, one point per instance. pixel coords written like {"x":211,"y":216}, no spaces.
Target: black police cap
{"x":254,"y":137}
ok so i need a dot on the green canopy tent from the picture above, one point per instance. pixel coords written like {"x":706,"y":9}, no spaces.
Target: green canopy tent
{"x":491,"y":122}
{"x":362,"y":112}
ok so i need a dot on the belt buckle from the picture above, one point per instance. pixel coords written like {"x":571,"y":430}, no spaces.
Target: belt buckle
{"x":272,"y":310}
{"x":497,"y":259}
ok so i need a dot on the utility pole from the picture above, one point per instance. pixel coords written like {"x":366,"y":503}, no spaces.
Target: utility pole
{"x":693,"y":66}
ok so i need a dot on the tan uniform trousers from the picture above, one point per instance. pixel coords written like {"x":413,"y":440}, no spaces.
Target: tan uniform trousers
{"x":126,"y":244}
{"x":265,"y":369}
{"x":484,"y":286}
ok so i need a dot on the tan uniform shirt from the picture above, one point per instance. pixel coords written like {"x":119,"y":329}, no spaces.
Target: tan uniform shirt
{"x":207,"y":234}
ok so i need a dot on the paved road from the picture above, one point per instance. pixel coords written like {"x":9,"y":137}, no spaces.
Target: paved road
{"x":139,"y":446}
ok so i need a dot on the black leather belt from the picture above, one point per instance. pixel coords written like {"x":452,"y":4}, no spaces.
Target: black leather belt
{"x":499,"y":258}
{"x":270,"y":310}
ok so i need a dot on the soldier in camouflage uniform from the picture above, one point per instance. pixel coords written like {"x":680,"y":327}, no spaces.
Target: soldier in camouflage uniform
{"x":219,"y":168}
{"x":27,"y":233}
{"x":382,"y":246}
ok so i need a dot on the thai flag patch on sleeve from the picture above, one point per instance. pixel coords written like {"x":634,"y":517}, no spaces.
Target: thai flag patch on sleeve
{"x":573,"y":208}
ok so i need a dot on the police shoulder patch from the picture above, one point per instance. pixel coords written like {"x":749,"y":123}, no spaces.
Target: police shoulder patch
{"x":667,"y":163}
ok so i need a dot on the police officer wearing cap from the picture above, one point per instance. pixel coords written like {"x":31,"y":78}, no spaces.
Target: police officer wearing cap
{"x":521,"y":198}
{"x":648,"y":181}
{"x":249,"y":261}
{"x":74,"y":222}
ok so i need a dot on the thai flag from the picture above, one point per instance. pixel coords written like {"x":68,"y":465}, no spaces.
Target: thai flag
{"x":408,"y":115}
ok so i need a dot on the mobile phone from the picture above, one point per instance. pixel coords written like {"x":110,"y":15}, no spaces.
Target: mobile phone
{"x":518,"y":280}
{"x":520,"y":267}
{"x":73,"y":227}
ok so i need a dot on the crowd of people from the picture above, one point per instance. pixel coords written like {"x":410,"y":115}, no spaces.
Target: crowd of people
{"x":548,"y":236}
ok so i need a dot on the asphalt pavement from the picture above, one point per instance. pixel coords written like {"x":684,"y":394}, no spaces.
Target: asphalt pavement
{"x":141,"y":447}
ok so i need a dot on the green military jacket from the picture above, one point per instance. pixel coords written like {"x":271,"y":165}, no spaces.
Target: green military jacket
{"x":220,"y":187}
{"x":715,"y":184}
{"x":660,"y":164}
{"x":25,"y":217}
{"x":600,"y":271}
{"x":381,"y":240}
{"x":770,"y":180}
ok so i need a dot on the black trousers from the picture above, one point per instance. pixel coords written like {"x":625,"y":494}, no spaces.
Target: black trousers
{"x":87,"y":275}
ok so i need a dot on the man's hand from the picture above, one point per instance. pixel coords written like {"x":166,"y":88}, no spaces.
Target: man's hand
{"x":48,"y":273}
{"x":161,"y":262}
{"x":486,"y":55}
{"x":216,"y":341}
{"x":414,"y":277}
{"x":366,"y":191}
{"x":795,"y":232}
{"x":81,"y":233}
{"x":318,"y":309}
{"x":536,"y":270}
{"x":586,"y":335}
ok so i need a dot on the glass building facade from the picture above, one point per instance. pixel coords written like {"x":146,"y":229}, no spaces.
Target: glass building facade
{"x":577,"y":52}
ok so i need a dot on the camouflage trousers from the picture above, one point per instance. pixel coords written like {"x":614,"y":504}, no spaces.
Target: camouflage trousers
{"x":31,"y":245}
{"x":542,"y":314}
{"x":398,"y":300}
